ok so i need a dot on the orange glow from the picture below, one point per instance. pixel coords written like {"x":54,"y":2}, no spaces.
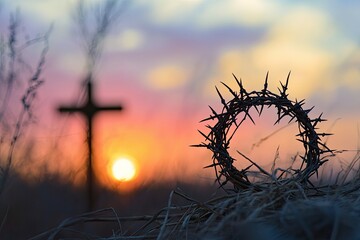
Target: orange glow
{"x":123,"y":169}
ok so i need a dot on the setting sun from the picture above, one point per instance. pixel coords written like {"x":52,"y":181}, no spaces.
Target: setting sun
{"x":123,"y":169}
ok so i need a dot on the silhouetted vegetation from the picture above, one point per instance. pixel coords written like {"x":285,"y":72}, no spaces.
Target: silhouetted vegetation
{"x":16,"y":106}
{"x":30,"y":208}
{"x":285,"y":206}
{"x":277,"y":204}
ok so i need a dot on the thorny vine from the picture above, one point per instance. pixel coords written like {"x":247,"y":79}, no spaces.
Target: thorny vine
{"x":236,"y":111}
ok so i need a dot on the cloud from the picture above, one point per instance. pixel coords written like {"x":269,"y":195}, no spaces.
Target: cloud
{"x":349,"y":71}
{"x":242,"y":13}
{"x":71,"y":62}
{"x":167,"y":77}
{"x":307,"y":42}
{"x":304,"y":41}
{"x":210,"y":14}
{"x":49,"y":10}
{"x":239,"y":62}
{"x":169,"y":12}
{"x":127,"y":40}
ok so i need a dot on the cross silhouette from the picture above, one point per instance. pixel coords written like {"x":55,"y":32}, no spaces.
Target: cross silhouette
{"x":89,"y":109}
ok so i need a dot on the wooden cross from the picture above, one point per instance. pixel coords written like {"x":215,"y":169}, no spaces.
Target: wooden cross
{"x":89,"y":109}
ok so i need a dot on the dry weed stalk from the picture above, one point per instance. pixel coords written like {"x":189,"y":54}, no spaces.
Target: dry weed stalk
{"x":15,"y":69}
{"x":236,"y":111}
{"x":94,"y":24}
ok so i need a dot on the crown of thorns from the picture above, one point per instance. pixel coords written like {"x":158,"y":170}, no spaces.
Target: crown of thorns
{"x":237,"y":110}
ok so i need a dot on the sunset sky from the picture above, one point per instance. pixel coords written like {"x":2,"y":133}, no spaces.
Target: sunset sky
{"x":162,"y":61}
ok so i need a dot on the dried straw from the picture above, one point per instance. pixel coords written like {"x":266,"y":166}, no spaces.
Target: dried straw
{"x":274,"y":213}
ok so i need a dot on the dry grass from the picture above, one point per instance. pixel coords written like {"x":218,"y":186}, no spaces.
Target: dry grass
{"x":19,"y":77}
{"x":286,"y":206}
{"x":330,"y":212}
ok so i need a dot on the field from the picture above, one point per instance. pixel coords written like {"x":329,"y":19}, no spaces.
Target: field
{"x":276,"y":212}
{"x":161,"y":59}
{"x":291,"y":203}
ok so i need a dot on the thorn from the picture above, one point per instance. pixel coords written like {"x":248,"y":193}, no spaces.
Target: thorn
{"x":309,"y":110}
{"x":257,"y":110}
{"x":203,"y":134}
{"x":261,"y":109}
{"x":299,"y":104}
{"x":212,"y":165}
{"x":287,"y":80}
{"x":302,"y":141}
{"x":325,"y":134}
{"x":292,"y":118}
{"x":280,"y":117}
{"x":214,"y":112}
{"x":284,"y":87}
{"x":266,"y":83}
{"x":230,"y":90}
{"x":248,"y":114}
{"x":198,"y":145}
{"x":221,"y":97}
{"x":238,"y":82}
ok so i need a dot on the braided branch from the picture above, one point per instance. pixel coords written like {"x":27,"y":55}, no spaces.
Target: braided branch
{"x":220,"y":135}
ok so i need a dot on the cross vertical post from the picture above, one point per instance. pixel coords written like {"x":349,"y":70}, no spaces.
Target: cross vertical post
{"x":89,"y":109}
